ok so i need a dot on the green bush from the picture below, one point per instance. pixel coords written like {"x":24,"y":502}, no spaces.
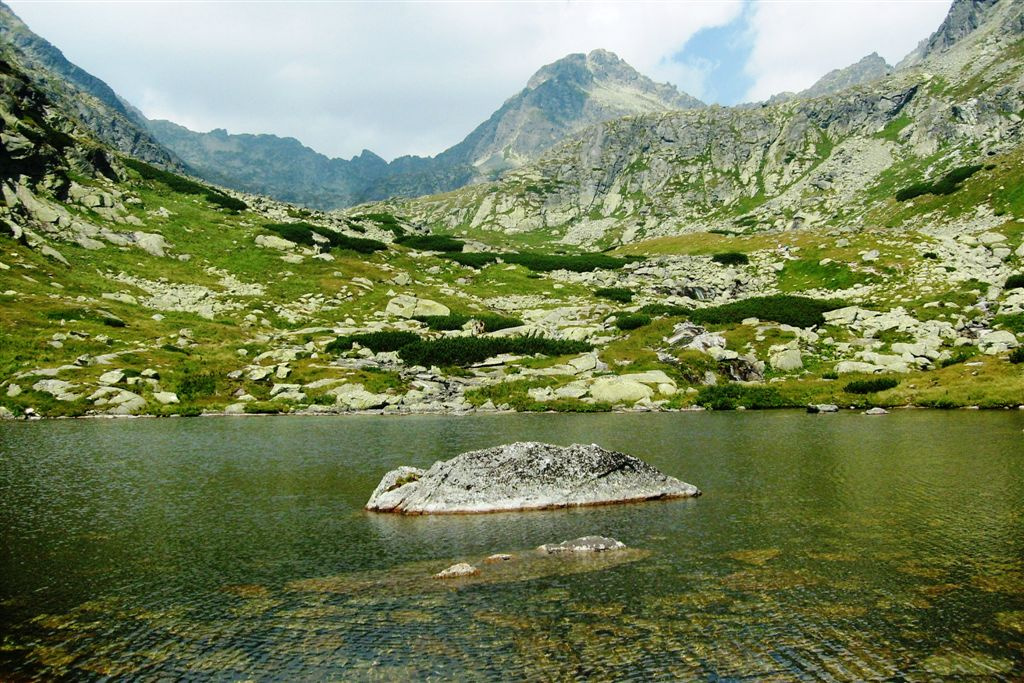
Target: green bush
{"x":731,"y":258}
{"x":870,"y":386}
{"x":960,"y":356}
{"x":631,"y":321}
{"x":197,"y":385}
{"x":666,"y":310}
{"x":1017,"y":355}
{"x":385,"y":341}
{"x":947,"y":184}
{"x":620,"y":294}
{"x":461,"y":351}
{"x":542,"y":263}
{"x":432,"y":243}
{"x":184,"y":185}
{"x":797,"y":311}
{"x":732,"y":396}
{"x":302,"y":233}
{"x":455,"y":321}
{"x":1014,"y":282}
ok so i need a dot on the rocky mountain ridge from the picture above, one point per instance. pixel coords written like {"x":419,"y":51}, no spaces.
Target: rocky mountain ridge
{"x":820,"y":161}
{"x":94,"y":103}
{"x":560,"y":99}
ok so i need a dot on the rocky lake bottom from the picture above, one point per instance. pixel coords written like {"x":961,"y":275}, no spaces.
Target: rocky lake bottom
{"x":825,"y":547}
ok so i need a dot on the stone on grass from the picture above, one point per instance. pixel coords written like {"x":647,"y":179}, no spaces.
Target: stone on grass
{"x":457,"y":570}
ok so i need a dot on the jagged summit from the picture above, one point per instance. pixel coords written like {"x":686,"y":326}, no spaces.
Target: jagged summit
{"x":964,"y":19}
{"x":562,"y":98}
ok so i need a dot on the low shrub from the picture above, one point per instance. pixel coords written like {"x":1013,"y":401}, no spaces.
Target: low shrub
{"x":385,"y":341}
{"x":302,"y":233}
{"x":870,"y":386}
{"x":1014,"y":282}
{"x":620,"y":294}
{"x":732,"y":396}
{"x":197,"y":385}
{"x":798,"y":311}
{"x":631,"y":321}
{"x":1017,"y":355}
{"x":666,"y":310}
{"x":947,"y":184}
{"x":455,"y":321}
{"x":431,"y":243}
{"x":460,"y":351}
{"x":731,"y":258}
{"x":542,"y":263}
{"x":960,"y":356}
{"x":785,"y":309}
{"x":183,"y":185}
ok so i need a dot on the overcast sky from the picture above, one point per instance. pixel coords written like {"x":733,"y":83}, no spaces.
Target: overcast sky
{"x":416,"y":77}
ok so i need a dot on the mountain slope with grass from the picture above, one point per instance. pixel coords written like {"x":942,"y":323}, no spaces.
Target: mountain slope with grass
{"x":862,"y":248}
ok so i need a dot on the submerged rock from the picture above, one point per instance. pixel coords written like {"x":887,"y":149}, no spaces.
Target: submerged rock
{"x":584,"y":544}
{"x":524,"y":476}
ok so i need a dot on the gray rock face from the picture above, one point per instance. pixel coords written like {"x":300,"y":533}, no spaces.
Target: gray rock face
{"x":524,"y":476}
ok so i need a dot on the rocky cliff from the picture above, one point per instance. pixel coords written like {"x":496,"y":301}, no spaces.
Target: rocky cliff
{"x":92,"y":101}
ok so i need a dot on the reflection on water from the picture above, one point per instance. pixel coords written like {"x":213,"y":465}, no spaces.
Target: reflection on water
{"x":825,"y":548}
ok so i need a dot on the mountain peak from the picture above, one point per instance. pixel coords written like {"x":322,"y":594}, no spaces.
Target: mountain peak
{"x":964,"y":19}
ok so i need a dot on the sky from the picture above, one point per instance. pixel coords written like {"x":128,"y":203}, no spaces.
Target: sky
{"x":415,"y":77}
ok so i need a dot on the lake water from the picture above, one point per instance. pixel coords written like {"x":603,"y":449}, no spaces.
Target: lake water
{"x":828,"y":547}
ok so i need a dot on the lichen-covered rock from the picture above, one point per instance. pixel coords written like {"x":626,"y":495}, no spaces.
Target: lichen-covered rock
{"x":524,"y":476}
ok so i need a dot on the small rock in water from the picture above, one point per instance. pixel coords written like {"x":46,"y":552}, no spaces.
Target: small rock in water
{"x":876,"y":411}
{"x":823,"y":408}
{"x":457,"y":570}
{"x":584,"y":544}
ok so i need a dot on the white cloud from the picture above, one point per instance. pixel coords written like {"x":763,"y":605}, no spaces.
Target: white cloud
{"x":797,"y":42}
{"x":397,"y":78}
{"x":416,"y":77}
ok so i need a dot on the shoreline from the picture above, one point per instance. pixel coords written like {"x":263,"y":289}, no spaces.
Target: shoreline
{"x":443,"y":413}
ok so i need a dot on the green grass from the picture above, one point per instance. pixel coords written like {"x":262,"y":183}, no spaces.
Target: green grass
{"x":803,"y":274}
{"x":892,"y":129}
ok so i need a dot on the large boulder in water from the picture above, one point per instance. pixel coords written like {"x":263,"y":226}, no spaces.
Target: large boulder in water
{"x":524,"y":476}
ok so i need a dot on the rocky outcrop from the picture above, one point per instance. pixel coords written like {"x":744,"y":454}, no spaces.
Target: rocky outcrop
{"x":524,"y":476}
